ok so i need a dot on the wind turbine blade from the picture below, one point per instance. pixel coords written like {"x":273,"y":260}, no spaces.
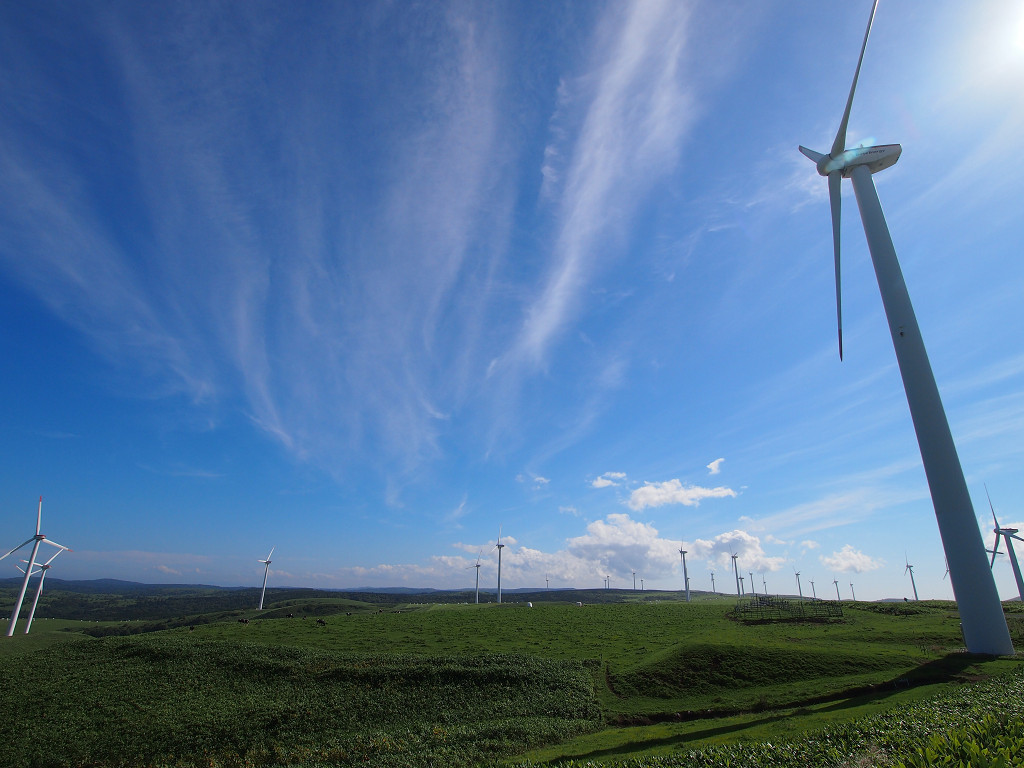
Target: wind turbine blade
{"x":1015,"y":536}
{"x":835,"y":198}
{"x":61,"y":547}
{"x":995,"y":551}
{"x":992,"y":508}
{"x":18,"y":547}
{"x":39,"y":516}
{"x":840,"y":143}
{"x":810,"y":154}
{"x":271,"y":552}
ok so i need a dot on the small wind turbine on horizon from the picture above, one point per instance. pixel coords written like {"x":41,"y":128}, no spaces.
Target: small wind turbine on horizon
{"x":813,"y":591}
{"x":266,"y":573}
{"x":713,"y":590}
{"x":31,"y":562}
{"x":477,"y":566}
{"x":753,"y":587}
{"x":743,"y":590}
{"x":736,"y":572}
{"x":499,"y":546}
{"x":984,"y":625}
{"x":854,"y":594}
{"x":634,"y":581}
{"x":799,"y":589}
{"x":686,"y":576}
{"x":910,"y":569}
{"x":838,"y":597}
{"x":1008,"y":535}
{"x":764,"y":583}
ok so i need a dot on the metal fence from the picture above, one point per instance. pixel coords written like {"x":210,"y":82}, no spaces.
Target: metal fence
{"x":772,"y":608}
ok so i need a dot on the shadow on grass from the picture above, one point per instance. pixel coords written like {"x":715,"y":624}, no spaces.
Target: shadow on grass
{"x":943,"y":670}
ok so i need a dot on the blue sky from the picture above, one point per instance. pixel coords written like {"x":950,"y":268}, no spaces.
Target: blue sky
{"x":365,"y":282}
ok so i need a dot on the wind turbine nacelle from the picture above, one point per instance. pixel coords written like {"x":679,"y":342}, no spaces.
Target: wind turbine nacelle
{"x":875,"y":158}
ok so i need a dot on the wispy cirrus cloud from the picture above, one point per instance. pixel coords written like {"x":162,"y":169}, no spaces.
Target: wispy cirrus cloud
{"x":638,"y":108}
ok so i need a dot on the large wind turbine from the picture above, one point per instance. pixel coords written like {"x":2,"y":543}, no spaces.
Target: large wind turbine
{"x":686,"y":576}
{"x":266,"y":573}
{"x":713,"y":590}
{"x":798,"y":587}
{"x":981,"y":613}
{"x":31,"y":562}
{"x":736,"y":573}
{"x":1008,"y":535}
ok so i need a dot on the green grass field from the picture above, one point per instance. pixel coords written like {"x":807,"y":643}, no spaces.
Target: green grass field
{"x":455,"y":685}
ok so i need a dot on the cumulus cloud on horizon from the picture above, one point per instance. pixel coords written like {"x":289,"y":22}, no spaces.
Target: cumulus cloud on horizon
{"x":850,"y":560}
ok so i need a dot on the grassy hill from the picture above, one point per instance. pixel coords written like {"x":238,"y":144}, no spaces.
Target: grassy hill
{"x":429,"y":683}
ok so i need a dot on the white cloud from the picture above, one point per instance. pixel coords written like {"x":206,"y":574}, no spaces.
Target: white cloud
{"x":850,"y":560}
{"x":541,"y":480}
{"x":608,"y":479}
{"x":715,"y":466}
{"x":569,"y":511}
{"x":674,"y":492}
{"x":751,"y":555}
{"x":809,"y":544}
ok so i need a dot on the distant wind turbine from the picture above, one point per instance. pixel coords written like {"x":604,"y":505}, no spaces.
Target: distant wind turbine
{"x":499,"y":546}
{"x":743,"y":587}
{"x":736,"y":572}
{"x":910,"y":569}
{"x":836,"y":582}
{"x":686,"y":576}
{"x":35,"y":541}
{"x":984,"y":625}
{"x":853,"y":593}
{"x":798,"y":587}
{"x":477,"y":566}
{"x":713,"y":590}
{"x":266,"y":573}
{"x":753,"y":587}
{"x":1008,"y":535}
{"x":813,"y":591}
{"x":764,"y":583}
{"x":634,"y":581}
{"x":39,"y":589}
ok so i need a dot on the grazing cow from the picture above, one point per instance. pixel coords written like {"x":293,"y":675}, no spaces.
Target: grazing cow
{"x":347,"y":613}
{"x":321,"y":622}
{"x":291,"y":615}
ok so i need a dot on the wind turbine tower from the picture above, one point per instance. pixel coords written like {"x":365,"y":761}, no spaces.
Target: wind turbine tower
{"x":743,"y":589}
{"x":798,"y":587}
{"x":31,"y":562}
{"x":266,"y":573}
{"x":910,"y":569}
{"x":634,"y":581}
{"x":853,"y":593}
{"x":713,"y":590}
{"x":814,"y":591}
{"x":981,"y":613}
{"x":836,"y":582}
{"x":1008,"y":535}
{"x":736,"y":572}
{"x":753,"y":587}
{"x":686,"y":575}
